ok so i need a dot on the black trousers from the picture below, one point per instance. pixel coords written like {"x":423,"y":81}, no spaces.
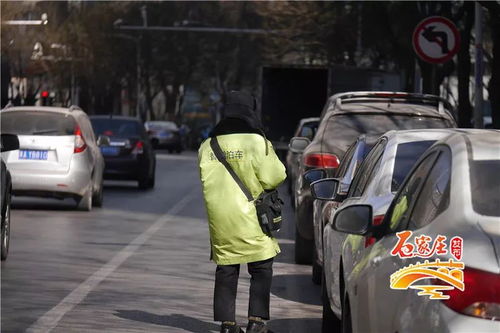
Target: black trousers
{"x":226,"y":285}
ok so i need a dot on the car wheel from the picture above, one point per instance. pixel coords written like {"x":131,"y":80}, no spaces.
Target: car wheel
{"x":5,"y":230}
{"x":85,"y":203}
{"x":98,"y":197}
{"x":303,"y":250}
{"x":147,"y":182}
{"x":346,"y":315}
{"x":151,"y":180}
{"x":330,"y":323}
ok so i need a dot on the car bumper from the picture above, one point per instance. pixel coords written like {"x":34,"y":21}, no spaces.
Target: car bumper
{"x":74,"y":182}
{"x":129,"y":167}
{"x":437,"y":317}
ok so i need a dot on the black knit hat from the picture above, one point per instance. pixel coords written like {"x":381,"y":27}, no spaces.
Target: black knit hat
{"x":242,"y":105}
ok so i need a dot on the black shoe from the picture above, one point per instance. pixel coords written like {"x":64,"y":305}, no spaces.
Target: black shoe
{"x":225,"y":328}
{"x":257,"y":327}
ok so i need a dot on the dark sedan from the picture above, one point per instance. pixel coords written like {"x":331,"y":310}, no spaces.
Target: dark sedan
{"x":129,"y":154}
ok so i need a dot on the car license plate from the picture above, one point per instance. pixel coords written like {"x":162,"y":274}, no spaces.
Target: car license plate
{"x":40,"y":155}
{"x":110,"y":151}
{"x":165,"y":135}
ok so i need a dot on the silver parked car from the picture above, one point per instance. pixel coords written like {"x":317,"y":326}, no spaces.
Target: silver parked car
{"x":376,"y":182}
{"x":58,"y":154}
{"x":164,"y":134}
{"x":452,"y":191}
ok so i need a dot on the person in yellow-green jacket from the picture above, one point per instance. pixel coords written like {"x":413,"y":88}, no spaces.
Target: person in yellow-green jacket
{"x":235,"y":234}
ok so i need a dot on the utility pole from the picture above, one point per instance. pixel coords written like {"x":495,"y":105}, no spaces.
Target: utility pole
{"x":478,"y":66}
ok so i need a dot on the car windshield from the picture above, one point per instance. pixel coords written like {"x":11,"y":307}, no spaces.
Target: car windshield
{"x":37,"y":123}
{"x":485,"y":186}
{"x":158,"y":126}
{"x":121,"y":128}
{"x":406,"y":156}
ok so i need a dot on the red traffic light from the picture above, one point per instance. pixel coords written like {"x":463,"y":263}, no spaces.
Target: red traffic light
{"x":44,"y":94}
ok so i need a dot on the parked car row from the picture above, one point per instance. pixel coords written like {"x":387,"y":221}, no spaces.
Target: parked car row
{"x":62,"y":153}
{"x":345,"y":117}
{"x":384,"y":163}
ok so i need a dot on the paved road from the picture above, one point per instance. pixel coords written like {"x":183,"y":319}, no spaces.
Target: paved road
{"x":139,"y":264}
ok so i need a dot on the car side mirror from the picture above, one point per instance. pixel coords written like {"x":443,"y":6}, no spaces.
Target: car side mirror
{"x":324,"y":189}
{"x":298,"y":144}
{"x":354,"y":219}
{"x":103,"y":140}
{"x":313,"y":175}
{"x":9,"y":142}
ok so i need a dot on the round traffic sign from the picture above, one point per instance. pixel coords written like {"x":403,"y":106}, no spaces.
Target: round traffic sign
{"x":436,"y":39}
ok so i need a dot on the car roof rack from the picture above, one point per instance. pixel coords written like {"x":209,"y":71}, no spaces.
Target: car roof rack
{"x":442,"y":105}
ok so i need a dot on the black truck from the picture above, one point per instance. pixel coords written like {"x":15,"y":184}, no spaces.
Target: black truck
{"x":290,"y":93}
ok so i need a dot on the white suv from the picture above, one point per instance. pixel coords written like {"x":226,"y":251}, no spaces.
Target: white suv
{"x":58,"y":154}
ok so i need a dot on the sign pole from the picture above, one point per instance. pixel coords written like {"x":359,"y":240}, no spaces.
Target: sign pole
{"x":418,"y":79}
{"x":478,"y":66}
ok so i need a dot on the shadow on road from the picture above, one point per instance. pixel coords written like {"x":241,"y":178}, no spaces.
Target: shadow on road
{"x":287,"y":254}
{"x":295,"y":325}
{"x":187,"y":323}
{"x":43,"y":204}
{"x":296,"y":288}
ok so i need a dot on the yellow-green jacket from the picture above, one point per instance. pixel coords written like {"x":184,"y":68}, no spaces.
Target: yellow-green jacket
{"x":235,"y":233}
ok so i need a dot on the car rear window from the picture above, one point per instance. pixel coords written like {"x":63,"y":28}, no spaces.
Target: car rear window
{"x":485,"y":186}
{"x":37,"y":123}
{"x":309,"y":129}
{"x":406,"y":156}
{"x":122,"y":128}
{"x":349,"y":126}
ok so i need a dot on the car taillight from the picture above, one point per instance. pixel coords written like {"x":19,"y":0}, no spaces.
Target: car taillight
{"x":377,"y":220}
{"x":139,"y":148}
{"x":481,"y":296}
{"x":80,"y":144}
{"x":321,"y":161}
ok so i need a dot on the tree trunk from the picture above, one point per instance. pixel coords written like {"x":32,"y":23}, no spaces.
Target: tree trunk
{"x":464,"y":69}
{"x":494,"y":84}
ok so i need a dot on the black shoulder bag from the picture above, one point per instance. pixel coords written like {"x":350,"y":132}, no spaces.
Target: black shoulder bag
{"x":268,"y":204}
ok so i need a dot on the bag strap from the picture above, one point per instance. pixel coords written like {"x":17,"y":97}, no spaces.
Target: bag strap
{"x":214,"y":144}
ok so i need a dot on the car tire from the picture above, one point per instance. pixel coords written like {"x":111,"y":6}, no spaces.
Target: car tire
{"x":85,"y":203}
{"x":151,"y":180}
{"x":148,"y":181}
{"x":98,"y":197}
{"x":329,"y":323}
{"x":5,"y":230}
{"x":303,"y":250}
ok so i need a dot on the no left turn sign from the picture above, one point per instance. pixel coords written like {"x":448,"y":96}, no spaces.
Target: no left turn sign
{"x":436,"y":39}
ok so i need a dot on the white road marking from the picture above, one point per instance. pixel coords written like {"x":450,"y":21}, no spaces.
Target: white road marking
{"x":49,"y":320}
